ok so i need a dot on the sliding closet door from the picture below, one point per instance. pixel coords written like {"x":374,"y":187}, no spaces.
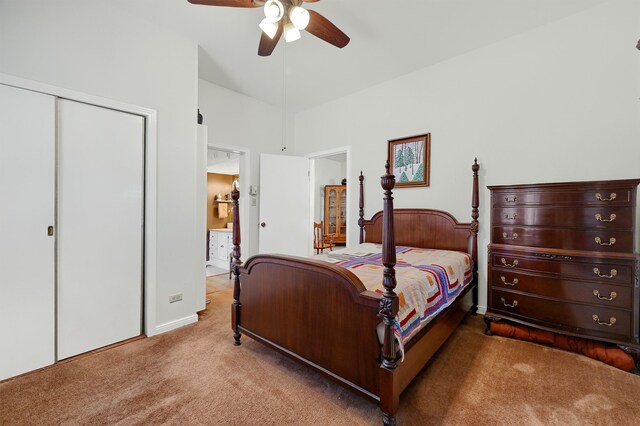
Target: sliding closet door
{"x":100,"y":210}
{"x":27,"y":183}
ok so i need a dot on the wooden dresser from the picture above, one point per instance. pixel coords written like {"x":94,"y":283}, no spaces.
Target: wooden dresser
{"x":562,"y":258}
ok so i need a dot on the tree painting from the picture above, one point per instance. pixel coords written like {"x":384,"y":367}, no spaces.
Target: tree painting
{"x":408,"y":159}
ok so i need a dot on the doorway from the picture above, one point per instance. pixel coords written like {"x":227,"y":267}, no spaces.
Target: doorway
{"x":226,"y":168}
{"x":330,"y":193}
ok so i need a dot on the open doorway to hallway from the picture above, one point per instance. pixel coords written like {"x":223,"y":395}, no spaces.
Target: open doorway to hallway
{"x":223,"y":172}
{"x":223,"y":169}
{"x":329,"y":198}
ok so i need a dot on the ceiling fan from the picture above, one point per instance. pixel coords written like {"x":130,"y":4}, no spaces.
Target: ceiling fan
{"x":288,"y":17}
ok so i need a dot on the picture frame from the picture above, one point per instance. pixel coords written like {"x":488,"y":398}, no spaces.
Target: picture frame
{"x":409,"y":159}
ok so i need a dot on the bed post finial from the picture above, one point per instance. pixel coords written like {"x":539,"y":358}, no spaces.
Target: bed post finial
{"x":473,"y":240}
{"x":361,"y":205}
{"x":389,"y":383}
{"x":236,"y":262}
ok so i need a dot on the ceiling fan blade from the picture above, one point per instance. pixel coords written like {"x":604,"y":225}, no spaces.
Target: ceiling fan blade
{"x":310,"y":1}
{"x":322,"y":28}
{"x":228,"y":3}
{"x":268,"y":44}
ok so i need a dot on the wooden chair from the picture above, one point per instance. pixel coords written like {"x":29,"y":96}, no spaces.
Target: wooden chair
{"x":321,"y":240}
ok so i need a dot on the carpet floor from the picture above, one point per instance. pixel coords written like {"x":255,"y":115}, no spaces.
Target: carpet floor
{"x":196,"y":376}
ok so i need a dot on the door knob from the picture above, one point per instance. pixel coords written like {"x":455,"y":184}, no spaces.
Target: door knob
{"x":263,"y":224}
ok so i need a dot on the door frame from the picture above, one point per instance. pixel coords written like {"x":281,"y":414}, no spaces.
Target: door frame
{"x":351,"y":213}
{"x":150,"y":327}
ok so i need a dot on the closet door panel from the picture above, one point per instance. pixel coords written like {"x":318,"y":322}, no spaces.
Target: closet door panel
{"x":100,"y":239}
{"x":27,"y":185}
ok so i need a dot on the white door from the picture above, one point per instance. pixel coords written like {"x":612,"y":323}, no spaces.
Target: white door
{"x":284,"y":205}
{"x":27,"y":184}
{"x":100,"y":211}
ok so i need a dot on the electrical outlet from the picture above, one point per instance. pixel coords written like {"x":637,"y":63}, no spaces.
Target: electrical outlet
{"x":175,"y":298}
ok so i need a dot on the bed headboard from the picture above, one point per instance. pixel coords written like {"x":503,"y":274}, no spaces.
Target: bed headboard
{"x":424,"y":228}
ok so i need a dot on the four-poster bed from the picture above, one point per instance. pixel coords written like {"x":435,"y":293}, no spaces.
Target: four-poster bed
{"x":322,"y":315}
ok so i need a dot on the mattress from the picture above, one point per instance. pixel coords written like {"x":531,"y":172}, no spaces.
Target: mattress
{"x":427,"y":280}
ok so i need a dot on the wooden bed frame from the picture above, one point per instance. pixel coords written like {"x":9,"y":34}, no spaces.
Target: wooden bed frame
{"x":322,"y":316}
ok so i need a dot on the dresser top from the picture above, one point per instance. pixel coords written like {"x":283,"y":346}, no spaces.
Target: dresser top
{"x":590,"y":184}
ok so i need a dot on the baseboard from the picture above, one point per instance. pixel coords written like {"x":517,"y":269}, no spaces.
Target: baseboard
{"x":482,"y":310}
{"x":172,"y":325}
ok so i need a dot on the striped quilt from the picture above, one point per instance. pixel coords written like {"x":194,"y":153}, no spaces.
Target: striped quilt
{"x":427,"y":280}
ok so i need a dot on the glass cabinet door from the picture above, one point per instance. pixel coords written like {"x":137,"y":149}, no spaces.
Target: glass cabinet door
{"x":343,"y":212}
{"x":332,"y":218}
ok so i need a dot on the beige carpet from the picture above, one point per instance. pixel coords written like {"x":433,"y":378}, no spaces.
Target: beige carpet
{"x":196,"y":376}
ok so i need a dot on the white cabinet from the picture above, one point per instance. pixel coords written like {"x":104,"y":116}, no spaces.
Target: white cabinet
{"x":220,"y":246}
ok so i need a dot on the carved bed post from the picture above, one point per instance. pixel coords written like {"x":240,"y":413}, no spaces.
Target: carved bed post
{"x":389,"y":384}
{"x":361,"y":213}
{"x":473,"y":244}
{"x":236,"y":262}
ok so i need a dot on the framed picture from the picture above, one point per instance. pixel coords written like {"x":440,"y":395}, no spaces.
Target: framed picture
{"x":409,"y":159}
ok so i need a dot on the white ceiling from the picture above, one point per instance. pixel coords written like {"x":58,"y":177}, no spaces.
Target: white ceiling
{"x":389,"y":38}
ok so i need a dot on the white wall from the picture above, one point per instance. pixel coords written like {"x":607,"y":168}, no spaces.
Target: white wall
{"x":95,"y":48}
{"x":327,"y":172}
{"x":559,"y":103}
{"x":238,"y":120}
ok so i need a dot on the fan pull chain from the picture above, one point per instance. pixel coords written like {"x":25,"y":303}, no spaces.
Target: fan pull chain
{"x":284,"y":97}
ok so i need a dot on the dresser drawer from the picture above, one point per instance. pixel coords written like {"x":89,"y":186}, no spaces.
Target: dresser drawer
{"x":606,"y":241}
{"x":564,"y":289}
{"x":606,"y":217}
{"x":611,"y":196}
{"x":583,"y":268}
{"x":578,"y":318}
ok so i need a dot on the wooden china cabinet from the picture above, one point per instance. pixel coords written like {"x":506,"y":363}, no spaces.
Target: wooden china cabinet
{"x":335,"y":212}
{"x":563,"y":258}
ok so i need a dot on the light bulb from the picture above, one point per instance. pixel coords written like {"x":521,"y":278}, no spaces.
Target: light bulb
{"x":268,"y":27}
{"x":291,"y":33}
{"x":299,"y":17}
{"x":273,"y":10}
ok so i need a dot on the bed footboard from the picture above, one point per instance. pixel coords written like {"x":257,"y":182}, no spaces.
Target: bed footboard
{"x":316,"y":313}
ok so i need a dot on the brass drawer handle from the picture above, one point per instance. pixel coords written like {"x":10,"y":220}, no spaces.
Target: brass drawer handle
{"x":612,"y":295}
{"x":512,"y":284}
{"x":611,"y":242}
{"x":507,"y":237}
{"x":513,"y":265}
{"x":612,"y":197}
{"x":612,"y":217}
{"x":613,"y":273}
{"x":514,"y":304}
{"x":514,"y":217}
{"x":511,"y":200}
{"x":612,"y":321}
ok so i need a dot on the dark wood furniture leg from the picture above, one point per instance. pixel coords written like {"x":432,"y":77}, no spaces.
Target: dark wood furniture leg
{"x":236,"y":262}
{"x":389,"y":305}
{"x":473,"y":240}
{"x":361,"y":206}
{"x":487,"y":322}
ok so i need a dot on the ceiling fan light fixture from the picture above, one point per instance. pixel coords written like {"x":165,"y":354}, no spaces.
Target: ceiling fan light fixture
{"x":291,"y":33}
{"x":273,"y":10}
{"x":268,"y":27}
{"x":299,"y":17}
